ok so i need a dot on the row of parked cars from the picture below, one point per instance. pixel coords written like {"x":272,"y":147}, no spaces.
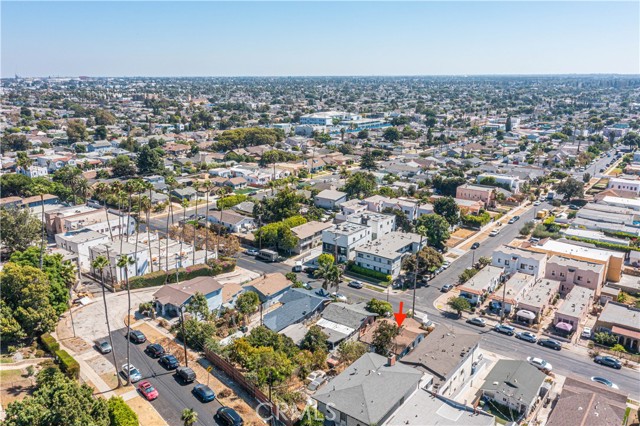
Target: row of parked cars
{"x":204,"y":393}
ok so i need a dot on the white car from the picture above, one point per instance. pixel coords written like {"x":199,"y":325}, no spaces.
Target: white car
{"x":494,"y":232}
{"x":540,"y":364}
{"x":339,"y":297}
{"x":130,"y":370}
{"x":536,"y":203}
{"x":586,"y":332}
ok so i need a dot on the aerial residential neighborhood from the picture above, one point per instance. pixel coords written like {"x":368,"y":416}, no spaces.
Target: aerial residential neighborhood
{"x":315,"y":244}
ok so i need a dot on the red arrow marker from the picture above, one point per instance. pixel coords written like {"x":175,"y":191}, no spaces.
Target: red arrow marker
{"x":400,"y":316}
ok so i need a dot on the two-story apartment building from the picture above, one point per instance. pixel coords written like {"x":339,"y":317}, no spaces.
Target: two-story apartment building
{"x":514,"y":259}
{"x":572,"y":272}
{"x":342,"y":240}
{"x":309,"y":235}
{"x":380,"y":224}
{"x":485,"y":194}
{"x":79,"y":242}
{"x":514,"y":290}
{"x":573,"y":309}
{"x":513,"y":182}
{"x":481,"y":284}
{"x":385,"y":254}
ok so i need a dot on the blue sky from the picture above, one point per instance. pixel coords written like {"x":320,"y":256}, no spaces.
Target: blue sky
{"x":318,"y":38}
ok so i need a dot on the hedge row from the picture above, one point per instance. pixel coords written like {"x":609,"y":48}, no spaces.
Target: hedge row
{"x":605,"y":245}
{"x":49,"y":343}
{"x":68,"y":364}
{"x":368,"y":272}
{"x":120,"y":414}
{"x":161,"y":277}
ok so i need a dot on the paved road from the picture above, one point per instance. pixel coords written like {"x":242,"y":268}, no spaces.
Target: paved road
{"x":174,"y":396}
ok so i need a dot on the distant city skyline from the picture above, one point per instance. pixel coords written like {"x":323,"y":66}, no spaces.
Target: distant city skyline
{"x":183,"y":39}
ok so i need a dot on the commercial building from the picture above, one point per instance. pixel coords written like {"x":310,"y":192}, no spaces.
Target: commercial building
{"x":342,"y":240}
{"x":625,"y":184}
{"x":514,"y":259}
{"x":385,"y":254}
{"x":627,"y":203}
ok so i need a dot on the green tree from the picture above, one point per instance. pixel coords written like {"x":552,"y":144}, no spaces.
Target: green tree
{"x":45,"y":125}
{"x":100,"y":133}
{"x":430,"y":260}
{"x":311,"y":417}
{"x":605,"y":339}
{"x":349,"y":351}
{"x":76,"y":131}
{"x":247,"y":303}
{"x":379,"y":307}
{"x":527,"y":228}
{"x":104,"y":118}
{"x":403,"y":223}
{"x":328,"y":271}
{"x":586,"y":177}
{"x":508,"y":126}
{"x":618,"y":348}
{"x":437,"y":229}
{"x":199,"y":306}
{"x":571,"y":188}
{"x":447,"y":208}
{"x":391,"y":134}
{"x":363,"y":134}
{"x":189,"y":417}
{"x":20,"y":229}
{"x":122,"y":166}
{"x":315,"y":340}
{"x":384,"y":337}
{"x":13,"y":142}
{"x":367,"y":162}
{"x":120,"y":414}
{"x":58,"y":400}
{"x":466,"y":275}
{"x":459,"y":304}
{"x":360,"y":185}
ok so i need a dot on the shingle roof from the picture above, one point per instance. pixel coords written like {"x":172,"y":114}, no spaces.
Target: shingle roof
{"x":297,"y":304}
{"x":518,"y":379}
{"x":342,"y":313}
{"x":179,"y":293}
{"x":369,"y":388}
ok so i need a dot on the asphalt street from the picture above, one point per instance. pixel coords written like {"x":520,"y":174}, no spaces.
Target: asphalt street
{"x":174,"y":396}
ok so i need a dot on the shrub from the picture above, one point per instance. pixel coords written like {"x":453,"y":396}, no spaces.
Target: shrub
{"x":605,"y":245}
{"x":120,"y":414}
{"x":368,"y":272}
{"x":605,"y":339}
{"x":476,"y":221}
{"x":225,"y":393}
{"x":466,"y":275}
{"x":49,"y":343}
{"x":158,"y":278}
{"x":68,"y":364}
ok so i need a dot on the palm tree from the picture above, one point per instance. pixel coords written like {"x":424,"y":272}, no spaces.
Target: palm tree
{"x":69,"y":277}
{"x":330,"y":274}
{"x":193,"y":255}
{"x":171,"y":185}
{"x":189,"y":417}
{"x":23,"y":161}
{"x":103,"y":190}
{"x":130,"y":188}
{"x":185,"y":205}
{"x":116,"y":190}
{"x":40,"y":190}
{"x":99,"y":264}
{"x":139,"y":186}
{"x":208,"y":186}
{"x":145,"y":203}
{"x":123,"y":263}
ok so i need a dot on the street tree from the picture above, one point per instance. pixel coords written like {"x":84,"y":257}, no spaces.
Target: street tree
{"x":328,"y":271}
{"x":447,"y":208}
{"x":189,"y":417}
{"x":459,"y":304}
{"x":384,"y":337}
{"x":430,"y":260}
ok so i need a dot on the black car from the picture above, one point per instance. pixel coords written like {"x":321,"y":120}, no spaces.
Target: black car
{"x":229,"y":417}
{"x":609,"y":361}
{"x":169,"y":362}
{"x":186,"y":374}
{"x":550,"y":343}
{"x":137,"y":336}
{"x":204,"y":393}
{"x":154,"y":350}
{"x":475,"y":246}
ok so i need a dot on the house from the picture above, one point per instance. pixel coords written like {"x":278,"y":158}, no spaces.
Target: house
{"x":378,"y":203}
{"x":10,"y":202}
{"x":623,"y":321}
{"x":572,"y":272}
{"x":298,"y":305}
{"x":511,"y":182}
{"x":341,"y":321}
{"x":573,"y":309}
{"x":625,"y":185}
{"x":354,"y":397}
{"x":37,"y":201}
{"x":269,"y":287}
{"x":188,"y":193}
{"x":176,"y":149}
{"x":450,"y":355}
{"x":171,"y":297}
{"x":342,"y":240}
{"x":79,"y":242}
{"x":101,"y":147}
{"x":236,"y":183}
{"x":77,"y":217}
{"x":514,"y":290}
{"x":514,"y":384}
{"x":232,"y":221}
{"x":385,"y":254}
{"x":514,"y":259}
{"x":309,"y":235}
{"x":533,"y":304}
{"x":330,"y":199}
{"x":113,"y":251}
{"x":33,"y":171}
{"x":485,"y":194}
{"x":380,"y":223}
{"x":411,"y":334}
{"x":481,"y":284}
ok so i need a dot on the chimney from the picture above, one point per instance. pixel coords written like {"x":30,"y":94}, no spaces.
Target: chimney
{"x":391,"y":360}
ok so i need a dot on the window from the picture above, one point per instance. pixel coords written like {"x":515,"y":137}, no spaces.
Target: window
{"x":579,"y":278}
{"x":343,"y":417}
{"x":531,"y":267}
{"x":562,"y":274}
{"x":553,"y":273}
{"x":506,"y":263}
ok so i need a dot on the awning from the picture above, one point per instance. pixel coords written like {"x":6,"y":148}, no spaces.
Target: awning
{"x":564,"y":326}
{"x":523,"y":313}
{"x":625,"y":332}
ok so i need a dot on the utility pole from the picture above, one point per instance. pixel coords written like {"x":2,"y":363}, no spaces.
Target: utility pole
{"x":415,"y":275}
{"x":184,"y":336}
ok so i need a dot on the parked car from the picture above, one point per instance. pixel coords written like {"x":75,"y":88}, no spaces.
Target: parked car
{"x":355,"y":284}
{"x":186,"y":374}
{"x":128,"y":370}
{"x":540,"y":364}
{"x":169,"y":362}
{"x":526,"y":336}
{"x":494,"y":233}
{"x":315,"y":379}
{"x":339,"y":297}
{"x":504,"y":329}
{"x":573,"y":207}
{"x":586,"y":332}
{"x":204,"y":393}
{"x":137,"y":336}
{"x":537,"y":203}
{"x":609,"y":361}
{"x":446,"y":264}
{"x":147,"y":390}
{"x":605,"y":382}
{"x":550,"y":343}
{"x":514,"y":219}
{"x":155,"y":350}
{"x":480,"y":322}
{"x":307,"y":286}
{"x":322,"y":292}
{"x":475,"y":246}
{"x":445,"y":288}
{"x":229,"y":417}
{"x":103,"y":347}
{"x":251,"y":252}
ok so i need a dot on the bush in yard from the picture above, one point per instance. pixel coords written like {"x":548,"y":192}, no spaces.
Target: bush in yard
{"x":368,"y":272}
{"x":605,"y":339}
{"x":49,"y":343}
{"x":68,"y":364}
{"x":466,"y":275}
{"x":379,"y":307}
{"x":120,"y":414}
{"x":618,"y":348}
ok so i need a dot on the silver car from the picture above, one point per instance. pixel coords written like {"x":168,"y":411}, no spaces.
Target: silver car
{"x":128,"y":370}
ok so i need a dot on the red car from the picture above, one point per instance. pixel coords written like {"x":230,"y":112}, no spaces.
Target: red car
{"x":148,"y":390}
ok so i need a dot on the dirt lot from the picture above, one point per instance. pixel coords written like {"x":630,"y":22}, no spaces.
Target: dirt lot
{"x":14,"y":385}
{"x":146,"y":413}
{"x":458,"y":236}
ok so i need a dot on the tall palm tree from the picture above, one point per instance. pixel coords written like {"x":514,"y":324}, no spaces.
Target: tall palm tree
{"x":189,"y":417}
{"x":139,"y":186}
{"x":193,"y":255}
{"x":99,"y":264}
{"x":130,"y":188}
{"x":123,"y":263}
{"x":171,"y":185}
{"x":207,"y":186}
{"x":145,"y":204}
{"x":103,"y":190}
{"x":69,"y":277}
{"x":41,"y":190}
{"x":185,"y":205}
{"x":116,"y":189}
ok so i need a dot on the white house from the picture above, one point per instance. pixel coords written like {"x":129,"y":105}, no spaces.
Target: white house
{"x":386,"y":253}
{"x":625,"y":184}
{"x":514,"y":259}
{"x":33,"y":171}
{"x":330,"y":199}
{"x":170,"y":298}
{"x":79,"y":242}
{"x":113,"y":252}
{"x":380,"y":224}
{"x":234,"y":222}
{"x":512,"y":182}
{"x":343,"y":239}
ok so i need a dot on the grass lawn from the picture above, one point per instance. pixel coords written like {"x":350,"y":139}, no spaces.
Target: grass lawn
{"x":6,"y":360}
{"x":244,"y":191}
{"x":10,"y":375}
